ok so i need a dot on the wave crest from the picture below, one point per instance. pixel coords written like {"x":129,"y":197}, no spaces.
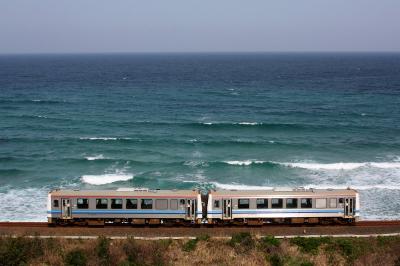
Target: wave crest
{"x":105,"y":178}
{"x":342,"y":166}
{"x":96,"y":157}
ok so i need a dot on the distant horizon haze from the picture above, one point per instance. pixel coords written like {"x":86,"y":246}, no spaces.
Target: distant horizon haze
{"x":177,"y":26}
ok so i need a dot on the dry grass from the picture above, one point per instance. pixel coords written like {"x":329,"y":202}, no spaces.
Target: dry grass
{"x":241,"y":250}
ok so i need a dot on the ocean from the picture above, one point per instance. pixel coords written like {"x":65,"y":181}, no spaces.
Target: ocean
{"x":240,"y":121}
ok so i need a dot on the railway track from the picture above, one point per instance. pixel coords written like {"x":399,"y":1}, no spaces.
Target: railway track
{"x":386,"y":223}
{"x":363,"y":228}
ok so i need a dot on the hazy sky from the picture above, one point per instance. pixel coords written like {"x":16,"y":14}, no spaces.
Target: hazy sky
{"x":37,"y":26}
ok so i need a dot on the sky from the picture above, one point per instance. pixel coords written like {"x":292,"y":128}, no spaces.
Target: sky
{"x":97,"y":26}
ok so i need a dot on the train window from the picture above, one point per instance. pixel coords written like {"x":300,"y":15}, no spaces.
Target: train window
{"x":291,"y":203}
{"x":173,"y":204}
{"x":262,"y":203}
{"x":55,"y":203}
{"x":116,"y":203}
{"x":276,"y":203}
{"x":306,"y":203}
{"x":332,"y":203}
{"x":320,"y":203}
{"x":146,"y":204}
{"x":182,"y":202}
{"x":243,"y":203}
{"x":82,"y":203}
{"x":341,"y":200}
{"x":101,"y":203}
{"x":161,"y":204}
{"x":216,"y":203}
{"x":131,"y":203}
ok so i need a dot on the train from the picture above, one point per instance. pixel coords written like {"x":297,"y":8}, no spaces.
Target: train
{"x":142,"y":206}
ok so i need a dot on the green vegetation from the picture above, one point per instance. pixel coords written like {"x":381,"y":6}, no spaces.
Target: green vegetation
{"x":76,"y":258}
{"x":269,"y":241}
{"x":191,"y":244}
{"x":242,"y":241}
{"x":311,"y":244}
{"x":102,"y":250}
{"x":241,"y":249}
{"x":18,"y":251}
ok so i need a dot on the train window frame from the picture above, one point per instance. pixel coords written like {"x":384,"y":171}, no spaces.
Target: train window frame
{"x":263,"y":205}
{"x":242,"y":203}
{"x":293,"y":205}
{"x":133,"y":204}
{"x":116,"y":206}
{"x":173,"y":204}
{"x":101,"y":203}
{"x":82,"y":203}
{"x":217,"y":204}
{"x":307,"y":204}
{"x":332,"y":200}
{"x":278,"y":205}
{"x":321,"y":203}
{"x":146,"y":204}
{"x":56,"y":203}
{"x":161,"y":204}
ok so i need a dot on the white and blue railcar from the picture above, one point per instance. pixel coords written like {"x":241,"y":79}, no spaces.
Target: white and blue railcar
{"x":283,"y":205}
{"x":124,"y":206}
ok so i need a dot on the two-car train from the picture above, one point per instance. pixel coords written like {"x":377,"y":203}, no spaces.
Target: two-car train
{"x":191,"y":207}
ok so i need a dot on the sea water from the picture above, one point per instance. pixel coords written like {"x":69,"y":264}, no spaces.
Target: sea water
{"x":234,"y":121}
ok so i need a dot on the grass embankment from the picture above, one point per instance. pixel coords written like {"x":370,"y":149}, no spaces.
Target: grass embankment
{"x":241,"y":249}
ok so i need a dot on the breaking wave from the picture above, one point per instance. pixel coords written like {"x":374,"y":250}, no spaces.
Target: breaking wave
{"x":27,"y":204}
{"x":103,"y":138}
{"x":105,"y":178}
{"x":246,"y":162}
{"x":318,"y":166}
{"x":342,"y":166}
{"x":95,"y":157}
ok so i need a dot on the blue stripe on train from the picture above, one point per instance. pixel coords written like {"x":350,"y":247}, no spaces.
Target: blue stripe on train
{"x":286,"y":211}
{"x":118,"y":212}
{"x":279,"y":211}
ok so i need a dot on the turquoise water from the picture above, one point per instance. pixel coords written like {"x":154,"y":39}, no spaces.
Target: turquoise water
{"x":199,"y":121}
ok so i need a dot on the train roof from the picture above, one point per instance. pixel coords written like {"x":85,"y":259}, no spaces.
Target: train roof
{"x":125,"y":192}
{"x":285,"y":192}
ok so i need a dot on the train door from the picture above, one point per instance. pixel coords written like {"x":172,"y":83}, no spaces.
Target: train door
{"x":66,"y":210}
{"x":227,"y":209}
{"x":190,"y":209}
{"x":349,"y":204}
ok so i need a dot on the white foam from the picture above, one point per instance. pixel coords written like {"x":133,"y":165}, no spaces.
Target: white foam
{"x":246,"y":162}
{"x":249,"y":123}
{"x":240,"y":186}
{"x":195,"y":163}
{"x":308,"y":186}
{"x":329,"y":166}
{"x":96,"y":157}
{"x":28,"y":204}
{"x":355,"y":186}
{"x":103,"y":138}
{"x":105,"y":178}
{"x":386,"y":165}
{"x":342,"y":166}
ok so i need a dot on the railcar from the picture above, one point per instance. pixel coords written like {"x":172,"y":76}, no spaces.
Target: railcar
{"x":283,"y":205}
{"x":189,"y":207}
{"x":124,"y":206}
